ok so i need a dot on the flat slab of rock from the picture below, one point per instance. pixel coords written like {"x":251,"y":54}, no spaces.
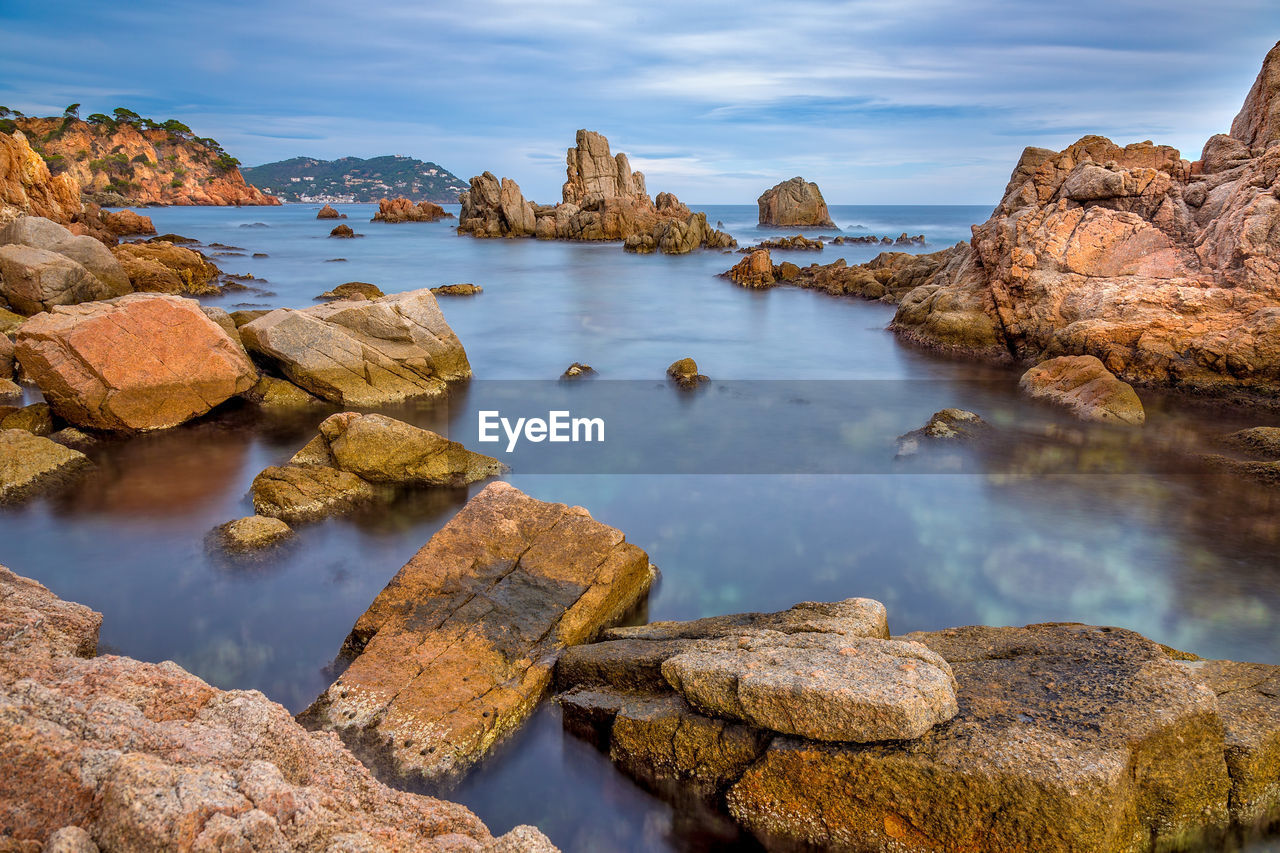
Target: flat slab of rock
{"x":142,"y":756}
{"x":1082,"y":384}
{"x":353,"y":455}
{"x":362,"y":353}
{"x":139,"y":362}
{"x":459,"y":648}
{"x":819,"y":686}
{"x":1068,"y":737}
{"x":29,"y":463}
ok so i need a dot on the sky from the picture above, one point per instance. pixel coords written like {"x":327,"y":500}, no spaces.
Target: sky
{"x":879,"y":101}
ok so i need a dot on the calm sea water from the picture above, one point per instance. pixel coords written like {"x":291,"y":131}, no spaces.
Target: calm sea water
{"x":781,"y":487}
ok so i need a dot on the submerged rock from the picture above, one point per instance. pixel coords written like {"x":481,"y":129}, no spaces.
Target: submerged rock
{"x":685,"y":373}
{"x":796,"y":242}
{"x":138,"y":362}
{"x":490,"y":601}
{"x":353,"y":290}
{"x":1067,"y":737}
{"x":30,"y":463}
{"x":340,"y":467}
{"x":1083,"y":385}
{"x":946,"y":425}
{"x":794,"y":202}
{"x":464,"y":289}
{"x":1259,"y":441}
{"x":251,"y":534}
{"x":143,"y":756}
{"x":362,"y":353}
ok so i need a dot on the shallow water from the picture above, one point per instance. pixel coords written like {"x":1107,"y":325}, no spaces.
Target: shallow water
{"x":776,"y":483}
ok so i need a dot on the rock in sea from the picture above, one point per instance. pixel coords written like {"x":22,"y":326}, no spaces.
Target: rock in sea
{"x":459,"y":648}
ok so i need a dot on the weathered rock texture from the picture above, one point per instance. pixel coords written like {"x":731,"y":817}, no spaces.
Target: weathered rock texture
{"x":27,"y":188}
{"x":404,"y":210}
{"x":162,"y":267}
{"x":1067,"y":738}
{"x":353,"y":456}
{"x":1167,"y":271}
{"x":329,"y":212}
{"x":43,"y":264}
{"x":1083,"y":385}
{"x":362,"y":352}
{"x":251,"y":533}
{"x":603,"y":199}
{"x":125,"y":755}
{"x":138,"y":362}
{"x":139,"y":166}
{"x":887,"y":277}
{"x":459,"y":648}
{"x":794,"y":202}
{"x":126,"y":223}
{"x":30,"y":463}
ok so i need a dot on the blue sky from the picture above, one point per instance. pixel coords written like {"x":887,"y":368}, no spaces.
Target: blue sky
{"x":880,"y":102}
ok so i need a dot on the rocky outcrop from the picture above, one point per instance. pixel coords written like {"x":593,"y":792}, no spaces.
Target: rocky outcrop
{"x":794,"y":202}
{"x":30,"y":463}
{"x":887,"y":277}
{"x":578,"y":370}
{"x":462,"y":289}
{"x":137,"y":362}
{"x":1066,"y":737}
{"x":43,"y":264}
{"x":118,"y":754}
{"x":362,"y":352}
{"x":126,"y":223}
{"x":344,"y":232}
{"x":358,"y":458}
{"x":603,"y":199}
{"x":329,"y":212}
{"x":404,"y":210}
{"x":128,"y":162}
{"x":28,"y":189}
{"x":1083,"y":385}
{"x":158,"y":266}
{"x":1163,"y":269}
{"x":796,"y":242}
{"x":459,"y":648}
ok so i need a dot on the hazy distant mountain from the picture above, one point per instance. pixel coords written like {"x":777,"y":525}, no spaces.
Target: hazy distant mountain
{"x":352,"y":179}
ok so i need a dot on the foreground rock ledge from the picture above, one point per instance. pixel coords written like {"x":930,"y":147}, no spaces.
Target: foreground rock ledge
{"x":459,"y":648}
{"x":1068,"y":738}
{"x":142,"y":756}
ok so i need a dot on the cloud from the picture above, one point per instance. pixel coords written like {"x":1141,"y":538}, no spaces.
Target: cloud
{"x":879,"y":101}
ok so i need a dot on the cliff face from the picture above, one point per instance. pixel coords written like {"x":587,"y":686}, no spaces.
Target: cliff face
{"x":27,"y":187}
{"x":1166,"y":270}
{"x":132,"y":163}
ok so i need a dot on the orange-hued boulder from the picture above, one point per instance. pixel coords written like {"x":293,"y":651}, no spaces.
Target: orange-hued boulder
{"x":26,"y":187}
{"x":126,"y":223}
{"x":124,"y":755}
{"x":138,"y":362}
{"x":329,"y":212}
{"x":163,"y":267}
{"x":794,"y":202}
{"x":755,"y":270}
{"x":1083,"y":385}
{"x":1167,"y":271}
{"x":403,"y":210}
{"x":459,"y":648}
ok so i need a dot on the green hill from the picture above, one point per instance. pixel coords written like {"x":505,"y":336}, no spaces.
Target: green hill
{"x":351,"y":179}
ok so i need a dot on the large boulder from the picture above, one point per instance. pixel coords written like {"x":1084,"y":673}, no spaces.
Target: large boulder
{"x":34,"y":280}
{"x":144,"y":756}
{"x":755,"y":270}
{"x":353,"y":455}
{"x":159,"y":266}
{"x":1067,"y":737}
{"x":1166,"y":270}
{"x":490,"y":602}
{"x":126,"y":223}
{"x":137,"y":362}
{"x":30,"y":463}
{"x":794,"y":202}
{"x":40,"y":233}
{"x":1082,"y":384}
{"x":365,"y":352}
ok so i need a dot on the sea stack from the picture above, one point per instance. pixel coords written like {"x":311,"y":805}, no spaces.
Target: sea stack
{"x":794,"y":202}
